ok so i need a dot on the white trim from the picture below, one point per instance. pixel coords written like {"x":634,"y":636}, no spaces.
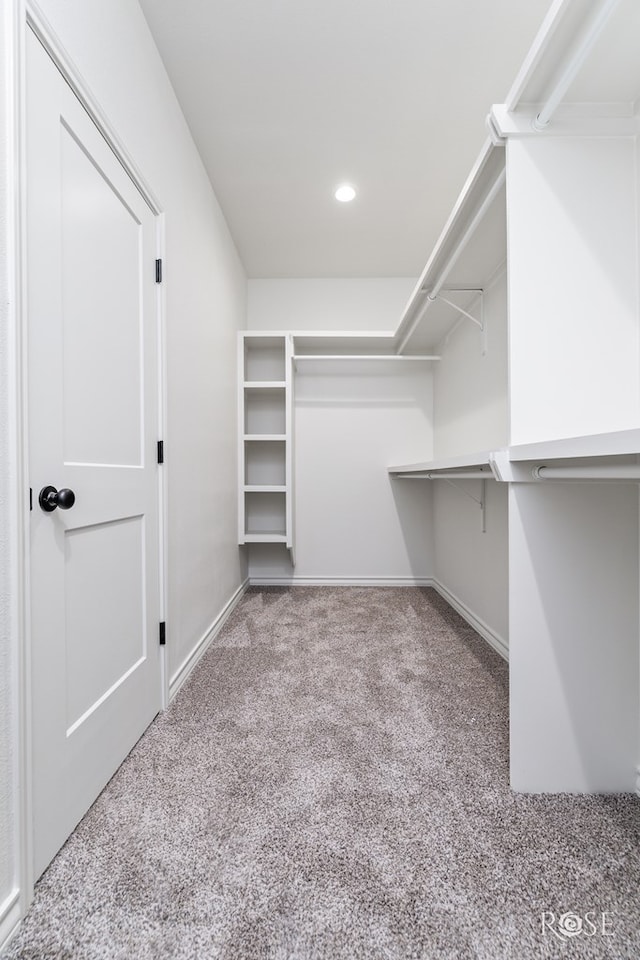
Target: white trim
{"x":210,"y":634}
{"x":163,"y":421}
{"x":295,"y":581}
{"x":10,"y":917}
{"x":18,"y":902}
{"x":494,"y":639}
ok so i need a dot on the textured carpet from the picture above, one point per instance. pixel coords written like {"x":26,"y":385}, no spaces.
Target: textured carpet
{"x":332,"y":782}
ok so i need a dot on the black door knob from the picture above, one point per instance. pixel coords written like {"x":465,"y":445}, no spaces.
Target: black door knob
{"x":50,"y":498}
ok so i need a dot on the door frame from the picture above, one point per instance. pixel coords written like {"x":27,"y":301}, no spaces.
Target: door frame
{"x":25,"y":15}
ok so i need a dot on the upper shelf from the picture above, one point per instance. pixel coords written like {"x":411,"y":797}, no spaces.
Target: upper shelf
{"x":467,"y":461}
{"x":469,"y":253}
{"x":583,"y":64}
{"x":617,"y":444}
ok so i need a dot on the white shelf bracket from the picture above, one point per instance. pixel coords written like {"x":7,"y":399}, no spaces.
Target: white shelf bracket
{"x":480,"y":501}
{"x":479,"y":322}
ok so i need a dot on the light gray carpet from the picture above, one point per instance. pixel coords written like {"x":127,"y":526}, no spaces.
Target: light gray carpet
{"x":332,"y":782}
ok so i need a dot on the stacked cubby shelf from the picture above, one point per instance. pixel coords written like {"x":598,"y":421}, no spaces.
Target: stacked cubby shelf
{"x":264,"y":469}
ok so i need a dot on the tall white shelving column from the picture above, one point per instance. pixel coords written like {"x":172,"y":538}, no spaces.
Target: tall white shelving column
{"x":265,"y":409}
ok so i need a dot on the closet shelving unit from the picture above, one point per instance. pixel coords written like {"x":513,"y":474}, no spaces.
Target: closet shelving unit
{"x":267,"y":361}
{"x":359,"y":347}
{"x":264,"y":451}
{"x":469,"y":255}
{"x":570,"y":126}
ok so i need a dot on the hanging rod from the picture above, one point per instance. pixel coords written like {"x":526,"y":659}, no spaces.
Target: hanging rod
{"x":450,"y":476}
{"x":568,"y":75}
{"x":455,"y":256}
{"x":361,"y":356}
{"x":628,"y":472}
{"x":446,"y":475}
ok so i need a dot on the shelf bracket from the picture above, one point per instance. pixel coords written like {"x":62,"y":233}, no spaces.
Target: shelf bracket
{"x":479,"y":322}
{"x":480,"y":501}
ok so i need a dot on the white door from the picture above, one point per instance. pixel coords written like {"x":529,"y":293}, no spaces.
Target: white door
{"x":93,"y":429}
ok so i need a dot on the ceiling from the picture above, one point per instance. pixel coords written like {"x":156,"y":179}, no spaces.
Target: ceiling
{"x":286,"y":99}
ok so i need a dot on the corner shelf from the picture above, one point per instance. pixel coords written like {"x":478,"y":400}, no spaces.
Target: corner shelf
{"x":479,"y":461}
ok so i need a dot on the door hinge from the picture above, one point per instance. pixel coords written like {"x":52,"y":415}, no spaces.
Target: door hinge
{"x":162,"y":633}
{"x":158,"y":271}
{"x":160,"y":451}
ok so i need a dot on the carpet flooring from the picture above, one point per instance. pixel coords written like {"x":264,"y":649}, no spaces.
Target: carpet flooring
{"x":331,"y":783}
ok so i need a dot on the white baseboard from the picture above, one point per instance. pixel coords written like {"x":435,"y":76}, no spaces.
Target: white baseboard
{"x":9,"y":918}
{"x":189,"y":662}
{"x":295,"y":581}
{"x":494,"y":639}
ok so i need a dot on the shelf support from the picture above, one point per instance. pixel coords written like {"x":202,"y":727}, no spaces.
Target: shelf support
{"x":453,"y":258}
{"x":451,"y":476}
{"x":481,"y":501}
{"x":479,"y":322}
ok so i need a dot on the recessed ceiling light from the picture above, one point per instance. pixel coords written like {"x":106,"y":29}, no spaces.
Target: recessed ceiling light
{"x":345,"y":193}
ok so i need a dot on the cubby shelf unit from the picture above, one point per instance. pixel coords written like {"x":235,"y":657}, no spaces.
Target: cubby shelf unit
{"x":265,"y":475}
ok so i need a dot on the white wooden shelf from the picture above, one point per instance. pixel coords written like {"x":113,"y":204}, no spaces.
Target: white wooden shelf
{"x":462,"y":462}
{"x":616,"y":444}
{"x":467,"y":257}
{"x":274,"y":537}
{"x":265,"y":384}
{"x":264,"y":488}
{"x":265,"y":437}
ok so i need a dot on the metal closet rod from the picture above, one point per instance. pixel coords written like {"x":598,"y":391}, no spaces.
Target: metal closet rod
{"x":447,"y":475}
{"x":572,"y":69}
{"x":629,"y":471}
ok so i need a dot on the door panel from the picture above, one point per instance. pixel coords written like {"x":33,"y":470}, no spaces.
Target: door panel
{"x":93,"y":427}
{"x":103,"y":319}
{"x":104,"y":603}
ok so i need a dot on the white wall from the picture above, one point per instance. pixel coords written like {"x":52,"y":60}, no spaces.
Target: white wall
{"x":470,"y":415}
{"x":352,"y":420}
{"x":205,"y":290}
{"x":472,"y":566}
{"x":205,"y":305}
{"x":470,"y":389}
{"x":328,"y":304}
{"x":573,"y":264}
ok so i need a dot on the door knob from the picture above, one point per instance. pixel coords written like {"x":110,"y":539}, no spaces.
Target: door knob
{"x":50,"y":498}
